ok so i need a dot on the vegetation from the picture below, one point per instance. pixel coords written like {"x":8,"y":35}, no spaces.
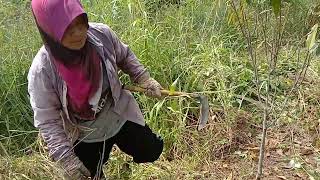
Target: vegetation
{"x":193,"y":46}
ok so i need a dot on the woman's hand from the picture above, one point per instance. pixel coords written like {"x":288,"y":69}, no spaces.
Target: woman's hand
{"x":74,"y":168}
{"x":152,"y":86}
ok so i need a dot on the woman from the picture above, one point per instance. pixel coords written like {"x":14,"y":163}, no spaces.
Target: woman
{"x":79,"y":105}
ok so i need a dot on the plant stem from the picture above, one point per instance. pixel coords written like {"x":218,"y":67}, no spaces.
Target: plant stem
{"x":262,"y":145}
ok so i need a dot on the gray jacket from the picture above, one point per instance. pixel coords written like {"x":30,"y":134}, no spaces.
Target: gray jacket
{"x":48,"y":91}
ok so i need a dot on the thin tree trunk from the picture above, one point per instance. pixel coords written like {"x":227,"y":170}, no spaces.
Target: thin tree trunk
{"x":262,"y":145}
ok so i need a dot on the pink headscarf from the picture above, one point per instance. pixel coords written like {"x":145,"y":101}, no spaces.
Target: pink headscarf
{"x":54,"y":17}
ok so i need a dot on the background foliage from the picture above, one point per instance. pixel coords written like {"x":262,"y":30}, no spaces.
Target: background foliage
{"x":197,"y":44}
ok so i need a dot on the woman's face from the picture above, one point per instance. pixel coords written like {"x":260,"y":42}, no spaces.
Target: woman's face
{"x":76,"y":34}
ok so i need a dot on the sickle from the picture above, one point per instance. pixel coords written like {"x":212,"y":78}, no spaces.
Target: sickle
{"x":204,"y":103}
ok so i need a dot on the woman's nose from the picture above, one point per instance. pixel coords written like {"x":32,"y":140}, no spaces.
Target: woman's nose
{"x":78,"y":31}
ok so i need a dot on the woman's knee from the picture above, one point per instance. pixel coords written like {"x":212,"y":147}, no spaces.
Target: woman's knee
{"x":151,"y":153}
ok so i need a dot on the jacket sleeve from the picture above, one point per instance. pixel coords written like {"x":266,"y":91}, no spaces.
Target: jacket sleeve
{"x":47,"y":107}
{"x":126,"y":60}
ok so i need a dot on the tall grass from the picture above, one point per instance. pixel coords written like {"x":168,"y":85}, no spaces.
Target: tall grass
{"x":193,"y":42}
{"x":19,"y":43}
{"x":173,"y":42}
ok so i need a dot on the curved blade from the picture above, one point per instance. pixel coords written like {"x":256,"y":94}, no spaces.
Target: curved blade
{"x":204,"y":112}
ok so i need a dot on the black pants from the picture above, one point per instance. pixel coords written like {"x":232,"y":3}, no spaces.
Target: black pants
{"x":133,"y":139}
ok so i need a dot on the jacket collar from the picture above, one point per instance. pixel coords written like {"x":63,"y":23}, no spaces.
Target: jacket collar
{"x":94,"y":39}
{"x":96,"y":42}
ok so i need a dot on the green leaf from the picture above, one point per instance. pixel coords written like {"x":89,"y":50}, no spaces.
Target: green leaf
{"x":156,"y":109}
{"x":130,"y":7}
{"x":311,"y":39}
{"x":276,"y":6}
{"x":249,"y":2}
{"x":174,"y":104}
{"x":173,"y":86}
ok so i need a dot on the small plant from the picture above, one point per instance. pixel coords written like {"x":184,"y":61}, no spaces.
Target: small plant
{"x":263,"y":29}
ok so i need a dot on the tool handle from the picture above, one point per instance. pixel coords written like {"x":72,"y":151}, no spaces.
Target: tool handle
{"x":163,"y":91}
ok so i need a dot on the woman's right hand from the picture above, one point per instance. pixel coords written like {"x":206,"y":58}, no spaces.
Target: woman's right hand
{"x":74,"y":168}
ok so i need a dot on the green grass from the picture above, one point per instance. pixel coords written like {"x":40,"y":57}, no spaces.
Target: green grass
{"x":19,"y":43}
{"x":194,"y":42}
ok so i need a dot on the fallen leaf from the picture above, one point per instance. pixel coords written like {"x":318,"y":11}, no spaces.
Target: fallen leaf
{"x":268,"y":154}
{"x":229,"y":177}
{"x":213,"y":117}
{"x":252,"y":149}
{"x":293,"y":164}
{"x":276,"y":169}
{"x":297,"y":141}
{"x":306,"y":151}
{"x":279,"y":152}
{"x":272,"y":143}
{"x":267,"y":173}
{"x":299,"y":175}
{"x":243,"y":154}
{"x":253,"y":156}
{"x":282,"y":177}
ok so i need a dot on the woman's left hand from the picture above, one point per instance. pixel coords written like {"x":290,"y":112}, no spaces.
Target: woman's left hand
{"x":152,"y":86}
